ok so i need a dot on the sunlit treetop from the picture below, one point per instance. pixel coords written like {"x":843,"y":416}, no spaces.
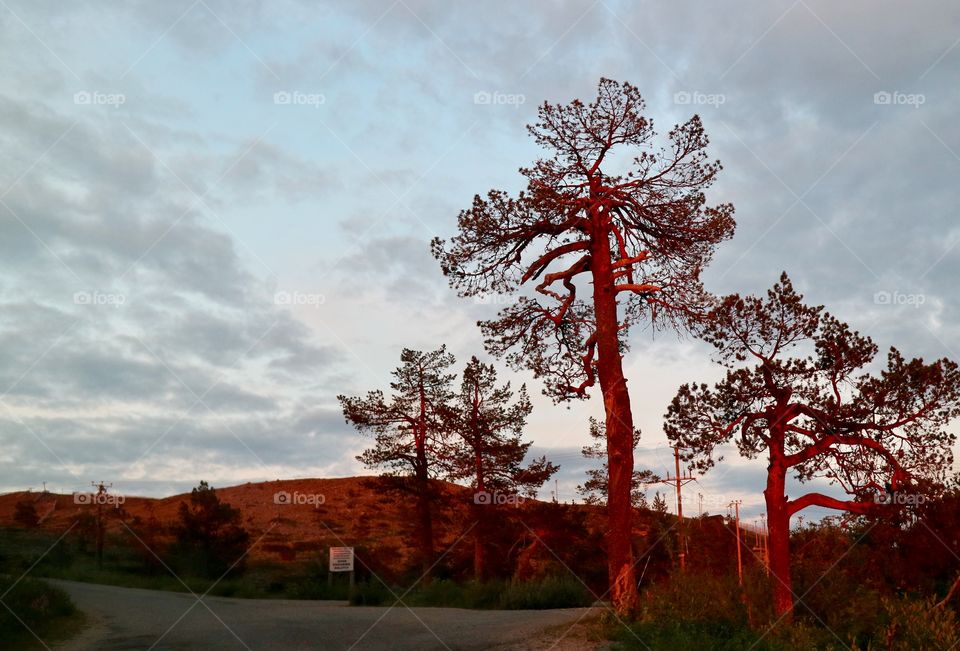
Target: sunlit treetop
{"x":607,"y":206}
{"x":799,"y":388}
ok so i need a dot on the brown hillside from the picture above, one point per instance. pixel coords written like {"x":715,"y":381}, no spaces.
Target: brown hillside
{"x":352,"y":511}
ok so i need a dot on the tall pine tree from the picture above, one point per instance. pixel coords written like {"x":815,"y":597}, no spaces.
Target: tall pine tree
{"x":410,"y":432}
{"x":489,"y":452}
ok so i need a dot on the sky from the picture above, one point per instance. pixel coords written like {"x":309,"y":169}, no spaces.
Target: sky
{"x":215,"y":215}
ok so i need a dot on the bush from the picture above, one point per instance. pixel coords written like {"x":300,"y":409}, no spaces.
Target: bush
{"x":696,"y":635}
{"x":918,"y":625}
{"x":556,"y":592}
{"x":552,"y":592}
{"x":447,"y":594}
{"x":371,"y":593}
{"x":698,"y":597}
{"x":689,"y":635}
{"x":36,"y":603}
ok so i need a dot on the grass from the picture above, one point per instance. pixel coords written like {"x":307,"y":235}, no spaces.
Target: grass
{"x":552,"y":592}
{"x":123,"y":567}
{"x":21,"y":550}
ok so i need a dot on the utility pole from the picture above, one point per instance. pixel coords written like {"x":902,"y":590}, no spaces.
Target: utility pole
{"x":766,"y":552}
{"x":736,"y":505}
{"x":100,"y":497}
{"x":677,"y":481}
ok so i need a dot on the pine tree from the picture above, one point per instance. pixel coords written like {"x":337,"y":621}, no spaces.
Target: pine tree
{"x":608,"y":213}
{"x":410,"y":432}
{"x":797,"y":392}
{"x":489,"y":451}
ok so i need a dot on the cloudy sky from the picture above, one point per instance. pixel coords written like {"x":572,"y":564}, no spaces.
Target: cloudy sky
{"x":215,"y":215}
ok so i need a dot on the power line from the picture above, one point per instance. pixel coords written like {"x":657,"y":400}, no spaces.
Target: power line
{"x":677,"y":481}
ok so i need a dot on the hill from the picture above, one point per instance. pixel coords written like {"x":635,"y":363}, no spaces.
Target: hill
{"x":297,"y":520}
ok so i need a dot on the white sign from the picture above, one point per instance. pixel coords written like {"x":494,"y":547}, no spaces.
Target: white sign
{"x":341,"y":559}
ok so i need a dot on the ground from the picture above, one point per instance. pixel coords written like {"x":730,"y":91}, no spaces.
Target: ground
{"x":127,"y":618}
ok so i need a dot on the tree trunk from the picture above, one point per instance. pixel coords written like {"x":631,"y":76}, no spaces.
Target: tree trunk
{"x":619,"y":425}
{"x":424,"y":520}
{"x":479,"y":555}
{"x":778,"y":522}
{"x":480,"y":530}
{"x":424,"y":517}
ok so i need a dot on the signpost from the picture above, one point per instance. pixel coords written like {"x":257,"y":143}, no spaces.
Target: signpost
{"x":341,"y":560}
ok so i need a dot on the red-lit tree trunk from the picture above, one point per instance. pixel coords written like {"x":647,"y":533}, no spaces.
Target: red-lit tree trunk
{"x":619,"y":421}
{"x":778,"y":523}
{"x":778,"y":510}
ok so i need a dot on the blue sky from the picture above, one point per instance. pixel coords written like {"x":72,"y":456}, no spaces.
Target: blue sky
{"x":148,"y":167}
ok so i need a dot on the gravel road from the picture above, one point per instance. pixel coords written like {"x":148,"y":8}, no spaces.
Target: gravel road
{"x":126,"y":618}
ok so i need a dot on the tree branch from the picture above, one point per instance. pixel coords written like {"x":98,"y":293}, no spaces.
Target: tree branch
{"x":819,"y":499}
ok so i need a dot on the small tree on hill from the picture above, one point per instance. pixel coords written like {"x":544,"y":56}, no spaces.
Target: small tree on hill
{"x":410,"y":431}
{"x":209,"y":534}
{"x":488,"y":449}
{"x":816,"y":412}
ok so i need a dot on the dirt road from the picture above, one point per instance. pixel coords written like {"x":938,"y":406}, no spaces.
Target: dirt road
{"x":125,"y":618}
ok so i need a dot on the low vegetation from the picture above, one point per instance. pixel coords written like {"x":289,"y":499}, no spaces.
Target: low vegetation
{"x":35,"y":613}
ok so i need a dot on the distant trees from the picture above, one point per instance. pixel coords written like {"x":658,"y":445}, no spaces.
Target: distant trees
{"x":426,"y":430}
{"x":594,"y":489}
{"x":815,"y":412}
{"x":636,"y":222}
{"x":210,"y":539}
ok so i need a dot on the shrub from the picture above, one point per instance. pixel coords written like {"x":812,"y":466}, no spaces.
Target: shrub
{"x":552,"y":592}
{"x":913,"y":624}
{"x":36,"y":604}
{"x":372,"y":593}
{"x":447,"y":594}
{"x":687,"y":635}
{"x":696,"y":597}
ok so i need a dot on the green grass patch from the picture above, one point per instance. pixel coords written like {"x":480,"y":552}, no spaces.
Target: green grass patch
{"x":553,"y":592}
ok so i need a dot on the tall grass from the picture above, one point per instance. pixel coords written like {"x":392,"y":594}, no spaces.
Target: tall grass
{"x":551,"y":592}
